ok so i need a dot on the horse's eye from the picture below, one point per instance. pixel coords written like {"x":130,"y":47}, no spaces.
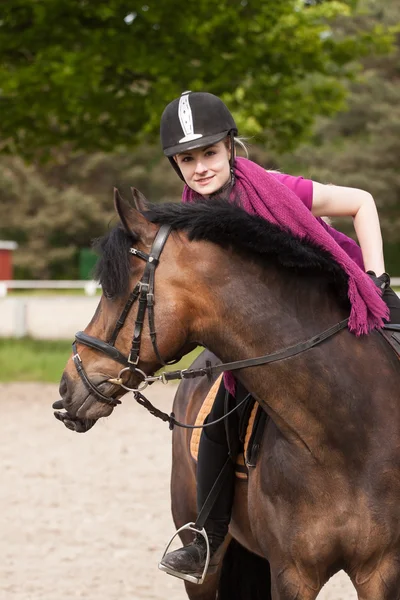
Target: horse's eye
{"x":108,"y":295}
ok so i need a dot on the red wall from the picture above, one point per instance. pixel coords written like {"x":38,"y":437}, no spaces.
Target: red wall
{"x":5,"y":264}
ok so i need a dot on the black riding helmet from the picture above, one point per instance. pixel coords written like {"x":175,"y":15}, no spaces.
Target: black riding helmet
{"x":195,"y":120}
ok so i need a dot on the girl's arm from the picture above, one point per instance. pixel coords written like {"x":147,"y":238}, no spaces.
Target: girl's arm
{"x":338,"y":201}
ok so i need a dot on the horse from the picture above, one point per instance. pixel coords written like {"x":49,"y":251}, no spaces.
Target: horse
{"x":324,"y":494}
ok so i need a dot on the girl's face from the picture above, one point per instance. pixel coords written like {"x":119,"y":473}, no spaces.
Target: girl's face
{"x":207,"y":169}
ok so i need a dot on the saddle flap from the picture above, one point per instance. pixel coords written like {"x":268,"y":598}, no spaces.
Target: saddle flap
{"x":251,"y":426}
{"x":392,"y":327}
{"x":391,"y":334}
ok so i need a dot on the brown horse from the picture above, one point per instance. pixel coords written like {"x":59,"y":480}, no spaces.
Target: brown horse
{"x":325,"y":493}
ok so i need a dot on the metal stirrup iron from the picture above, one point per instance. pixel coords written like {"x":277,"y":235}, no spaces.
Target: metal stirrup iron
{"x":199,"y":529}
{"x":186,"y":576}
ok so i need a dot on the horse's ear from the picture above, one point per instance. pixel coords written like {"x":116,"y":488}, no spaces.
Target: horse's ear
{"x":139,"y":200}
{"x":122,"y":209}
{"x":132,"y":220}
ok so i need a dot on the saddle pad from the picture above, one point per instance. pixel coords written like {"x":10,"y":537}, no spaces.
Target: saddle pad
{"x":241,"y":469}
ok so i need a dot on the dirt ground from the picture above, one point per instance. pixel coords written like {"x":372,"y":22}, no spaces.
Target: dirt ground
{"x":88,"y":515}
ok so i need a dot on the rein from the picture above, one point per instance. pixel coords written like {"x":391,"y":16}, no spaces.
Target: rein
{"x":144,"y":294}
{"x":210,"y":371}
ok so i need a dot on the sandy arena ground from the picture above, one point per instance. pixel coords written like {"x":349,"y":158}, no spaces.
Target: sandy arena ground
{"x":88,"y":515}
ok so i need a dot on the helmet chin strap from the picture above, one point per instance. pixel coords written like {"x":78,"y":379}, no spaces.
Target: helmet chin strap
{"x":231,"y":181}
{"x":175,"y":167}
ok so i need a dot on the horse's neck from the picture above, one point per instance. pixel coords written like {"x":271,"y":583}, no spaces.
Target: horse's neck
{"x":260,"y":312}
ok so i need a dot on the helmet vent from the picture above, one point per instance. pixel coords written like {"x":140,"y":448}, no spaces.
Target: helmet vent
{"x":186,"y":119}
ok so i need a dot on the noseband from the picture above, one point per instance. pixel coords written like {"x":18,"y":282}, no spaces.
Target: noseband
{"x":144,"y":294}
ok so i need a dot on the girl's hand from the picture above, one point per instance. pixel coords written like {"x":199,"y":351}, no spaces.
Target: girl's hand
{"x":382,"y":282}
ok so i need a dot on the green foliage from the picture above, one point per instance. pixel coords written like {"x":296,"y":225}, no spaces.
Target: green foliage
{"x":79,"y":78}
{"x":54,"y":211}
{"x":360,"y":147}
{"x":97,"y":75}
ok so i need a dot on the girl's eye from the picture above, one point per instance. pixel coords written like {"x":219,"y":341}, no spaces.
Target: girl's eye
{"x":186,"y":159}
{"x":210,"y":153}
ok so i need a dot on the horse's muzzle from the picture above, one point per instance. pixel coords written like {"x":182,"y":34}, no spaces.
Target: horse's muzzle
{"x":71,"y":422}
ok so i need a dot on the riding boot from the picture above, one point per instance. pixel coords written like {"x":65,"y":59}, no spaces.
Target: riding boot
{"x":191,"y":559}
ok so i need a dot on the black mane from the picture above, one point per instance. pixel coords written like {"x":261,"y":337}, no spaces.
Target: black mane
{"x":113,"y":266}
{"x":228,"y":225}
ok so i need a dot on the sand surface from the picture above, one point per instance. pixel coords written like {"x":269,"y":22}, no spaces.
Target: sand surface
{"x":88,"y":515}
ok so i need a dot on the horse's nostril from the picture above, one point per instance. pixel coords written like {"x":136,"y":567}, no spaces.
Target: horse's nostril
{"x":63,"y":389}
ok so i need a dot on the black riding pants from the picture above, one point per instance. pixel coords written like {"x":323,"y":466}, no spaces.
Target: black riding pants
{"x":215,"y":448}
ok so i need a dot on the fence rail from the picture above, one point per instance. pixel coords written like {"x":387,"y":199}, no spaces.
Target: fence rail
{"x":89,"y":287}
{"x":56,"y":316}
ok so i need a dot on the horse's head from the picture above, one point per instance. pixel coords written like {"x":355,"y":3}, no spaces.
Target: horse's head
{"x":163,"y":292}
{"x":139,"y":324}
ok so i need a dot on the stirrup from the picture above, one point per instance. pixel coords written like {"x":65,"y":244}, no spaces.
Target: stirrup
{"x":186,"y":576}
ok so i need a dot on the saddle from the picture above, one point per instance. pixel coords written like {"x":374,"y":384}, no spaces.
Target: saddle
{"x":250,"y":431}
{"x":391,"y":333}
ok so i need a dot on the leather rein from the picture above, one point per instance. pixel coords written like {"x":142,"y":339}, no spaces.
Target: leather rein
{"x":143,"y":293}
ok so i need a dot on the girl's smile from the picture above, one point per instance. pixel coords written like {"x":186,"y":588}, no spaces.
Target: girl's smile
{"x":205,"y":170}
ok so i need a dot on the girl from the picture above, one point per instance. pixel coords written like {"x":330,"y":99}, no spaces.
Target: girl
{"x":198,"y":135}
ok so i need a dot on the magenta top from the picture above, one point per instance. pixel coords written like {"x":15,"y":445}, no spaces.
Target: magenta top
{"x":303,"y":188}
{"x":263,"y":194}
{"x":286,"y":201}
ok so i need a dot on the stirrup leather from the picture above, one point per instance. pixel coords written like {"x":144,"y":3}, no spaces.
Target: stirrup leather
{"x":186,"y":576}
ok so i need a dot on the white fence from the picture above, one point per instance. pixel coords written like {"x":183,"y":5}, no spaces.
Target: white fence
{"x":45,"y":317}
{"x":89,"y":287}
{"x":51,"y":316}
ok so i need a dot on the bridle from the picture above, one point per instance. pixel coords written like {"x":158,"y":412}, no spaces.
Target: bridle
{"x":144,"y":294}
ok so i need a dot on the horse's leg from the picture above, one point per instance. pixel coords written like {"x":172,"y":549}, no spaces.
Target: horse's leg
{"x":287,"y":584}
{"x":383,"y":583}
{"x":209,"y":588}
{"x":206,"y":591}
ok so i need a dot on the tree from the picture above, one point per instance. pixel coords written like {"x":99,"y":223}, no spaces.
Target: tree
{"x":97,"y":75}
{"x":361,"y":145}
{"x":55,"y":210}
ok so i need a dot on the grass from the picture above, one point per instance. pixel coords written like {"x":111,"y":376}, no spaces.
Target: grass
{"x":44,"y":361}
{"x":33,"y":360}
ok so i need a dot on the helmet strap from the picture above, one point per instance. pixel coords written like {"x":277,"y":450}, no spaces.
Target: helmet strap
{"x":175,"y":166}
{"x":233,"y":157}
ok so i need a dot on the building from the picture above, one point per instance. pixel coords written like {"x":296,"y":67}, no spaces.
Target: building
{"x":6,"y":266}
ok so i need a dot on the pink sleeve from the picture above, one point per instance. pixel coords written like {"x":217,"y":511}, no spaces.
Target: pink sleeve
{"x":303,"y":188}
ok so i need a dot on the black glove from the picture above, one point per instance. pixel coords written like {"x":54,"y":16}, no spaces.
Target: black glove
{"x":382,"y":282}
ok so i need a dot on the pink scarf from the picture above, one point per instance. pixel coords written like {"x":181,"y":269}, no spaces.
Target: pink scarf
{"x":261,"y":194}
